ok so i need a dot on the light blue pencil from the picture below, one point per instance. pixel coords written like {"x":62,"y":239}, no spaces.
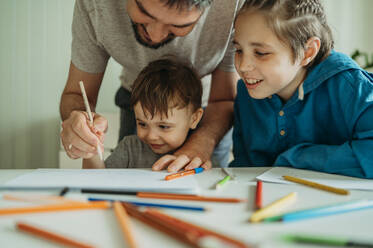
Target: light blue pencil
{"x":323,"y":211}
{"x":154,"y":205}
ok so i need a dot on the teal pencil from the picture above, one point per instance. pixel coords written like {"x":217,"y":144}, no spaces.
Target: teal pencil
{"x":324,"y":241}
{"x":323,"y":211}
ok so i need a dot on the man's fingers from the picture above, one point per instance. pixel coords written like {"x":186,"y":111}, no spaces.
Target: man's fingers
{"x":76,"y":153}
{"x":207,"y":165}
{"x":163,"y":162}
{"x":179,"y":163}
{"x":195,"y":163}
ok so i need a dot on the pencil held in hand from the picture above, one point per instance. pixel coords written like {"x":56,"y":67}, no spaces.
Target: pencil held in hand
{"x":88,"y":109}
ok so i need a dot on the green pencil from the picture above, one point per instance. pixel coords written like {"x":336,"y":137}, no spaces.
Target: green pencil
{"x":222,"y":182}
{"x":326,"y":241}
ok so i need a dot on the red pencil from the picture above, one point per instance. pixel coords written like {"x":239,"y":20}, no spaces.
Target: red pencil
{"x":258,"y":195}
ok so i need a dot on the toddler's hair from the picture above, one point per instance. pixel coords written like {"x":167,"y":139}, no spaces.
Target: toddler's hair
{"x":165,"y":84}
{"x":294,"y":22}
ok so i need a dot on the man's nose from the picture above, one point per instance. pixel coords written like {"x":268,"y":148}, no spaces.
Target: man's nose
{"x":157,"y":32}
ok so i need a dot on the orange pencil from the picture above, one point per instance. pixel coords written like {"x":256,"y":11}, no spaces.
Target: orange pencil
{"x":187,"y":197}
{"x":124,"y":222}
{"x":194,"y":230}
{"x":184,"y":173}
{"x":258,"y":195}
{"x":55,"y":207}
{"x":51,"y":236}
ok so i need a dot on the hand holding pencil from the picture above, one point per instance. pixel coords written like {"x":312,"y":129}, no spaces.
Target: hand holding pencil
{"x":80,"y":138}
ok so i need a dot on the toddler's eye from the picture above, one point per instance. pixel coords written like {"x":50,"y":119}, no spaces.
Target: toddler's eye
{"x":141,"y":124}
{"x":261,"y":54}
{"x":164,"y":127}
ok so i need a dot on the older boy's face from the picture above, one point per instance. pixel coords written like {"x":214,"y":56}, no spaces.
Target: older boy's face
{"x":155,"y":24}
{"x":164,"y":134}
{"x":263,"y":61}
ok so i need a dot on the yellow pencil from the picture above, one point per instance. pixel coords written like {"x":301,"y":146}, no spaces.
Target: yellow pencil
{"x":316,"y":185}
{"x":274,"y":208}
{"x":124,"y":222}
{"x":54,"y":207}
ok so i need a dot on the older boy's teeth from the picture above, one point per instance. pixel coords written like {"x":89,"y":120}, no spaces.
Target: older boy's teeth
{"x":252,"y":81}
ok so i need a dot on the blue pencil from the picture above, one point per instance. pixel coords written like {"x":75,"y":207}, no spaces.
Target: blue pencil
{"x":323,"y":211}
{"x":154,"y":205}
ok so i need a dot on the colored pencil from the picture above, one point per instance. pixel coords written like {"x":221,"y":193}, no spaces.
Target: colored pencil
{"x":42,"y":199}
{"x":195,"y":229}
{"x":88,"y":109}
{"x":231,"y":175}
{"x":124,"y":223}
{"x":64,"y":191}
{"x":317,"y":185}
{"x":153,"y":205}
{"x":108,"y":191}
{"x":323,"y":211}
{"x":179,"y":229}
{"x":222,"y":182}
{"x":184,"y":173}
{"x":188,"y":197}
{"x":160,"y":225}
{"x":273,"y":208}
{"x":54,"y":207}
{"x":258,"y":194}
{"x":51,"y":236}
{"x":324,"y":241}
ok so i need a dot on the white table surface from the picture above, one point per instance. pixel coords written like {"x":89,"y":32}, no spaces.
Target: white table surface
{"x":100,"y":228}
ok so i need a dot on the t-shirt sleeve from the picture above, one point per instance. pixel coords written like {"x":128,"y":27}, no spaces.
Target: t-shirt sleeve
{"x":87,"y":52}
{"x":120,"y":156}
{"x":227,"y":64}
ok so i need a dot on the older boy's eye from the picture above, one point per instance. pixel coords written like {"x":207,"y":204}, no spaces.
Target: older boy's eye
{"x":239,"y":51}
{"x":260,"y":53}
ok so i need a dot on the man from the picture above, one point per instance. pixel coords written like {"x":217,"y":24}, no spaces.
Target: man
{"x":135,"y":32}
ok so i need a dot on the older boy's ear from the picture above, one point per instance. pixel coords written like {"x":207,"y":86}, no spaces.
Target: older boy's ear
{"x":311,"y":50}
{"x":196,"y":117}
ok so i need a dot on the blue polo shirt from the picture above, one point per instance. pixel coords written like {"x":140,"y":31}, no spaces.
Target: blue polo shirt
{"x":329,"y":130}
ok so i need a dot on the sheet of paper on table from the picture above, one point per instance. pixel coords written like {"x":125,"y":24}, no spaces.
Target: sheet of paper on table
{"x":275,"y":174}
{"x":110,"y":179}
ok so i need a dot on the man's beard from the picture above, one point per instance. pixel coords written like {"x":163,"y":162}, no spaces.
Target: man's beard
{"x":140,"y":40}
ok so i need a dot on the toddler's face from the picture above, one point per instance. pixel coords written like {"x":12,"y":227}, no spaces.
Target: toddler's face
{"x":164,"y":134}
{"x":264,"y":62}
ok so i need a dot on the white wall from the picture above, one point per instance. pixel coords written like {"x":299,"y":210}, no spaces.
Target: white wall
{"x":35,"y":37}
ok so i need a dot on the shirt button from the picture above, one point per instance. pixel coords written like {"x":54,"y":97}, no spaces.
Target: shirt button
{"x":282,"y":132}
{"x":281,"y":113}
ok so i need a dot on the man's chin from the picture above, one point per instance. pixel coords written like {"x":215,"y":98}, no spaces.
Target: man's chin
{"x":146,"y":43}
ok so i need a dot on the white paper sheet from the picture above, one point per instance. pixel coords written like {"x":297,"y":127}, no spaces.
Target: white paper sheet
{"x":111,"y":179}
{"x":275,"y":175}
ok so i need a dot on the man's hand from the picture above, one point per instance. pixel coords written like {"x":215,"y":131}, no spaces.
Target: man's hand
{"x":189,"y":156}
{"x":80,"y":138}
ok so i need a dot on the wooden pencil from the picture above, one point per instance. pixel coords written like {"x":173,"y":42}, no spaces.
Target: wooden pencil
{"x":188,"y":197}
{"x":258,"y":194}
{"x":51,"y":236}
{"x":124,"y":223}
{"x":54,"y":207}
{"x":317,"y":185}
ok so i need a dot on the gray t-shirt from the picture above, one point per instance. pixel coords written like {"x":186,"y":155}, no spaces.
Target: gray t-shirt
{"x":131,"y":152}
{"x":102,"y":29}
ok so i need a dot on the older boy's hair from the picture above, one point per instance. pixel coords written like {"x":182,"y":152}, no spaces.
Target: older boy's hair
{"x":187,"y":4}
{"x":294,"y":22}
{"x":165,"y":84}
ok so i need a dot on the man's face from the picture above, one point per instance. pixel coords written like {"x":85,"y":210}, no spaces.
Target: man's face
{"x":155,"y":24}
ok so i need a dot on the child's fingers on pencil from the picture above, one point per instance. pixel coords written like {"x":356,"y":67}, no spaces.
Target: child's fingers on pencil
{"x":163,"y":162}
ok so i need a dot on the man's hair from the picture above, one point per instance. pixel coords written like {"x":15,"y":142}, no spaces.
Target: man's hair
{"x":294,"y":22}
{"x":165,"y":84}
{"x":187,"y":4}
